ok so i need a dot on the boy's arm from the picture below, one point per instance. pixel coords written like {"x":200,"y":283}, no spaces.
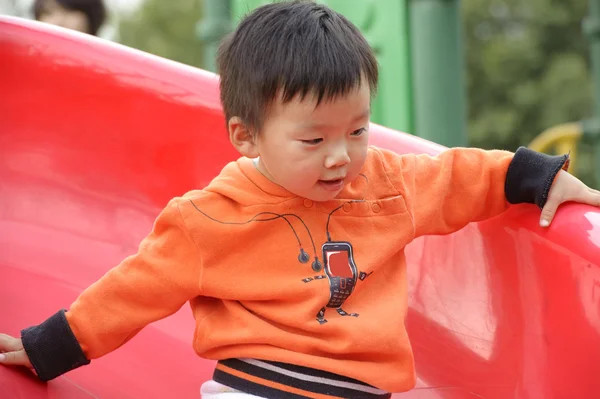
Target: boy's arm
{"x":148,"y":286}
{"x":446,"y":192}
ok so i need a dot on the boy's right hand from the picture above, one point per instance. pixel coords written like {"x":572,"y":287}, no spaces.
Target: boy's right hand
{"x":12,"y":352}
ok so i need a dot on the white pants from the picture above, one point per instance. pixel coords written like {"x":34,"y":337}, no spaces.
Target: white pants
{"x":213,"y":390}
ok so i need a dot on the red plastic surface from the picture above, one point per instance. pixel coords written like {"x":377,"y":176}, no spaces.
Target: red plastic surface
{"x":94,"y":140}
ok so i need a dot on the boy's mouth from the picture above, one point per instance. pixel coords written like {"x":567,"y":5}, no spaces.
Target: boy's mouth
{"x":332,"y":185}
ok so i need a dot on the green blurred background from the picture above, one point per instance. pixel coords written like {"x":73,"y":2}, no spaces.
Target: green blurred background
{"x":525,"y":64}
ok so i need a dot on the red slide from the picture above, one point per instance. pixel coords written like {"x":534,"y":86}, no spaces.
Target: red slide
{"x":95,"y":138}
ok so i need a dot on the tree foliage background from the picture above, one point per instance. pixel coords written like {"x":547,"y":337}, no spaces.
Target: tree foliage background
{"x":527,"y":63}
{"x":164,"y":28}
{"x":527,"y":69}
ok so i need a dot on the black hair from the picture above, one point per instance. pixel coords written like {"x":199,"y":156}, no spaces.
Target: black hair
{"x":291,"y":48}
{"x":94,"y":10}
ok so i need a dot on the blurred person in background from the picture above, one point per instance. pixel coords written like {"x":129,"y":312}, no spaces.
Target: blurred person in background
{"x":82,"y":15}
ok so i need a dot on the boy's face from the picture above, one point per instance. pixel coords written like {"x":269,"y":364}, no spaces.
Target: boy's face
{"x":314,"y":151}
{"x":55,"y":14}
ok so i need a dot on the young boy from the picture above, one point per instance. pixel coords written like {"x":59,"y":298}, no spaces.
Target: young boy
{"x":292,"y":258}
{"x":86,"y":16}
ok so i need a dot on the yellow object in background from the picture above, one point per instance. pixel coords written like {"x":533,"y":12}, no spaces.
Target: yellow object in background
{"x":562,"y":139}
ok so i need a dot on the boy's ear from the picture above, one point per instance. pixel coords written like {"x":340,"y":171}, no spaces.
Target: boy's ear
{"x":242,"y":139}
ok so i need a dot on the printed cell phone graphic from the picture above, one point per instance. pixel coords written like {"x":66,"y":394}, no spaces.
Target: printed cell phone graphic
{"x":341,"y":270}
{"x":342,"y":273}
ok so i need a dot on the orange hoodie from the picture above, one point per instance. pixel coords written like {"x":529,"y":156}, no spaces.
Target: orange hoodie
{"x":284,"y":287}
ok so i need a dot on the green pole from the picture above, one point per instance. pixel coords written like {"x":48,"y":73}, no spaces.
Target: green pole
{"x":592,"y":30}
{"x":384,"y":24}
{"x":437,"y":70}
{"x":215,"y":24}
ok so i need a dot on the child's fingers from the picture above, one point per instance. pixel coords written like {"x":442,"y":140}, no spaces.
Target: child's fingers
{"x":12,"y":352}
{"x":15,"y":358}
{"x":9,"y":344}
{"x":549,"y":211}
{"x":592,"y":197}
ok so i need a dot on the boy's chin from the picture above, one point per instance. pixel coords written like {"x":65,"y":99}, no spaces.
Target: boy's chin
{"x":320,"y":195}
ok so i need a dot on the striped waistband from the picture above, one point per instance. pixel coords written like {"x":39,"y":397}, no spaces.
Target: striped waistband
{"x":275,"y":380}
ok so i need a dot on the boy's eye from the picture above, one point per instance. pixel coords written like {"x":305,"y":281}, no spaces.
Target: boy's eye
{"x":359,"y":131}
{"x":312,"y":142}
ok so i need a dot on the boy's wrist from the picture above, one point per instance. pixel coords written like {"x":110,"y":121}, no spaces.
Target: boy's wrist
{"x":52,"y":348}
{"x":530,"y":176}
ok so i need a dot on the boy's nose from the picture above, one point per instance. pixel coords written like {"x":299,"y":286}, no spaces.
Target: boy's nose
{"x":337,"y":158}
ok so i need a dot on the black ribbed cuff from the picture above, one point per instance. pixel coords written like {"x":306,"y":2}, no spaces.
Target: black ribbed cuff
{"x":52,"y":348}
{"x":530,"y":176}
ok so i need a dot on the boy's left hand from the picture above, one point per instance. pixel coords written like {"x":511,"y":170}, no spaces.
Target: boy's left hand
{"x":566,"y":188}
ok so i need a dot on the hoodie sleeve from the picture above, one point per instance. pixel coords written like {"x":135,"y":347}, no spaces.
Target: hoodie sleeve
{"x":150,"y":285}
{"x":446,"y":192}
